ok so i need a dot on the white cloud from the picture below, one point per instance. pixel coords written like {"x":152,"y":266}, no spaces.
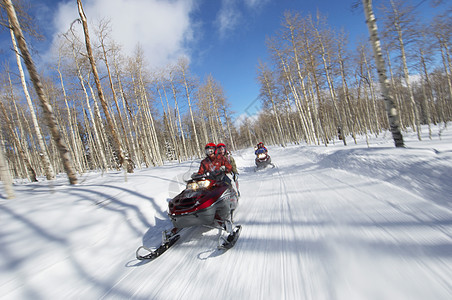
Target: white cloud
{"x":254,"y":4}
{"x":162,"y":28}
{"x":228,"y":17}
{"x":231,"y":13}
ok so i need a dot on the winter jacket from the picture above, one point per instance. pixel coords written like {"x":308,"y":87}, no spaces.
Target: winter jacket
{"x":210,"y":165}
{"x":260,"y":150}
{"x":231,"y":160}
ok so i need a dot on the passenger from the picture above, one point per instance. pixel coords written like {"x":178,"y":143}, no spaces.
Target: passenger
{"x":222,"y":151}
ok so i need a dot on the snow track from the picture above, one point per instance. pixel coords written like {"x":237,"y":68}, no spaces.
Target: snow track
{"x":326,"y":223}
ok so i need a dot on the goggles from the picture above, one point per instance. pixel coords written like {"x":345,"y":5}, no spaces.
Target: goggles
{"x":210,"y":150}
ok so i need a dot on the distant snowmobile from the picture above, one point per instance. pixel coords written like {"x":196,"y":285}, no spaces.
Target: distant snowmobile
{"x":262,"y":159}
{"x":208,"y":201}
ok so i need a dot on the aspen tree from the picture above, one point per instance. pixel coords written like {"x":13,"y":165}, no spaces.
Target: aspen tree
{"x":50,"y":175}
{"x":291,"y":81}
{"x":176,"y":105}
{"x":75,"y":149}
{"x":102,"y":38}
{"x":394,"y":90}
{"x":48,"y":111}
{"x":381,"y":68}
{"x":6,"y":175}
{"x":350,"y":115}
{"x":116,"y":142}
{"x":292,"y":23}
{"x":426,"y":85}
{"x":397,"y":21}
{"x":20,"y":148}
{"x":326,"y":67}
{"x":98,"y":139}
{"x":169,"y":118}
{"x":312,"y":66}
{"x":150,"y":118}
{"x":183,"y":66}
{"x":20,"y":125}
{"x":129,"y":115}
{"x":443,"y":33}
{"x":267,"y":91}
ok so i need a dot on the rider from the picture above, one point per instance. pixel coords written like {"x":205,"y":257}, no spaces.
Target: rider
{"x":213,"y":162}
{"x":259,"y":147}
{"x":222,"y":151}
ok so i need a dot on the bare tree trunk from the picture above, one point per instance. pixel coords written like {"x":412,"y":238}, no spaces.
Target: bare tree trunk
{"x":48,"y":111}
{"x":266,"y":80}
{"x":50,"y":175}
{"x":415,"y":114}
{"x":231,"y":139}
{"x":97,"y":139}
{"x":104,"y":145}
{"x":5,"y":175}
{"x":31,"y":172}
{"x":111,"y":127}
{"x":150,"y":118}
{"x":395,"y":94}
{"x":446,"y":62}
{"x":326,"y":68}
{"x":179,"y":118}
{"x":291,"y":26}
{"x":73,"y":128}
{"x":173,"y":131}
{"x":381,"y":68}
{"x":370,"y":83}
{"x":183,"y":67}
{"x":130,"y":166}
{"x":425,"y":98}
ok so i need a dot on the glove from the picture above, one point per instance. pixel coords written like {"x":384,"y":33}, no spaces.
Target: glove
{"x":222,"y":168}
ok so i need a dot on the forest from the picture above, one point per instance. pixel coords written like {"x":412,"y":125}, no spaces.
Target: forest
{"x":96,"y":109}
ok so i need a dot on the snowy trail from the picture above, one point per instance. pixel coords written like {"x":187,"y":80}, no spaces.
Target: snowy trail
{"x":307,"y":232}
{"x":322,"y":218}
{"x":326,"y":223}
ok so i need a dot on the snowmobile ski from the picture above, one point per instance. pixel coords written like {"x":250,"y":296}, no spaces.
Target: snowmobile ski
{"x":159,"y":251}
{"x":232,"y":238}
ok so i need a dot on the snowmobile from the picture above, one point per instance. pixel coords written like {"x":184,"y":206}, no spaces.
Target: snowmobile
{"x":262,"y":160}
{"x":208,"y":200}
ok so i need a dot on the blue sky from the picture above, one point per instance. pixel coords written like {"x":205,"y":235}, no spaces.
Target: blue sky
{"x":224,"y":38}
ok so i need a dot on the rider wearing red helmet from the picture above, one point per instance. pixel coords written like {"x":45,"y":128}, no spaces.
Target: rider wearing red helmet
{"x":222,"y":150}
{"x":213,"y":162}
{"x":260,"y":146}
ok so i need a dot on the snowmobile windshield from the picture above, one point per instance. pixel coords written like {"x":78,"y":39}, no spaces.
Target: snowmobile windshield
{"x":261,"y":155}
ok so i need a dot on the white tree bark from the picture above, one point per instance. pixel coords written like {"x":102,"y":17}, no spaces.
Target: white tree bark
{"x":47,"y":108}
{"x":381,"y":68}
{"x":6,"y":175}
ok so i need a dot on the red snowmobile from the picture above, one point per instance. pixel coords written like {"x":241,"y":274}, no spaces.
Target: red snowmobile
{"x":208,"y":200}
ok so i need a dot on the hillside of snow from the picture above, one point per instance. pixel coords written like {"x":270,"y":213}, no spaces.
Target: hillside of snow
{"x":336,"y":222}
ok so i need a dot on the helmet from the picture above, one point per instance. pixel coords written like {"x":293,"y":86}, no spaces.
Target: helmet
{"x":260,"y":145}
{"x":210,"y":148}
{"x":210,"y":145}
{"x":221,"y":145}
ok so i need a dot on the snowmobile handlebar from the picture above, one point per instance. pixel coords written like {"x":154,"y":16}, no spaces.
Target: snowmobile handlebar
{"x":217,"y":175}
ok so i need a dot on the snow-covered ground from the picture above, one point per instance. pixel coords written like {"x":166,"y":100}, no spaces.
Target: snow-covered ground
{"x":334,"y":222}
